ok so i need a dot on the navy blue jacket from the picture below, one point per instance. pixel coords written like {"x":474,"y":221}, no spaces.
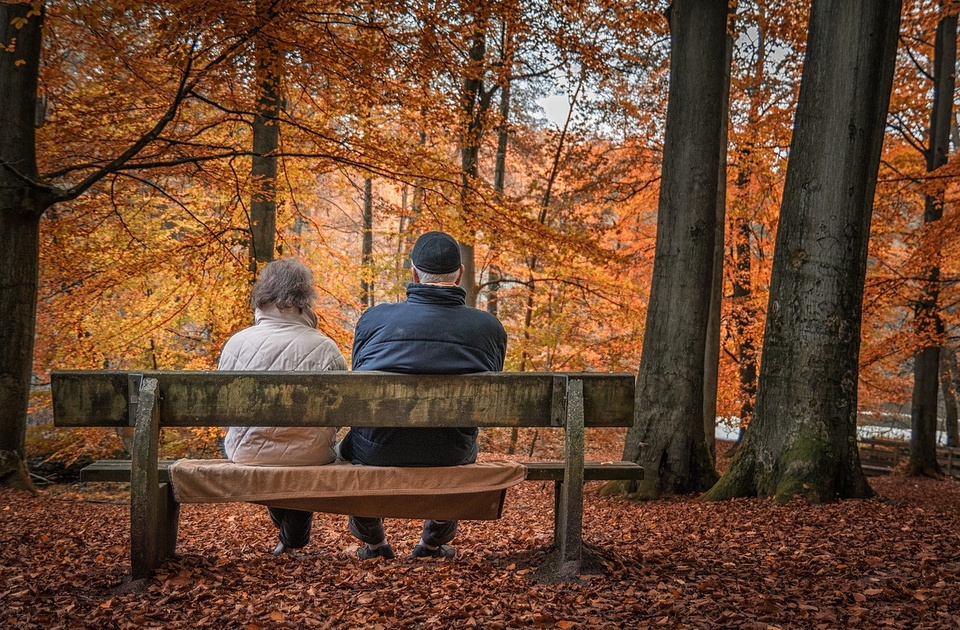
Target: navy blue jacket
{"x":433,"y":332}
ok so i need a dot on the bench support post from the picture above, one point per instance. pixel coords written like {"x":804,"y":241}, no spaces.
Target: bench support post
{"x":154,"y":514}
{"x":569,"y":518}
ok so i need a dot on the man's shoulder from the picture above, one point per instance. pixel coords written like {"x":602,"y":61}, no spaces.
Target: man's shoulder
{"x":483,"y":317}
{"x":384,"y":309}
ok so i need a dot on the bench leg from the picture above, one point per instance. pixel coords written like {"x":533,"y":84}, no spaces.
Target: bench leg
{"x":569,"y":515}
{"x":568,"y":559}
{"x":153,"y":512}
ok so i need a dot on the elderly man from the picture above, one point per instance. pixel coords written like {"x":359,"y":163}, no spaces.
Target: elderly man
{"x":432,"y":332}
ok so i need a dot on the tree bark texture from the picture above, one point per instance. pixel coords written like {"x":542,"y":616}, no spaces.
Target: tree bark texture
{"x":500,"y":168}
{"x":266,"y":140}
{"x":928,"y":323}
{"x":22,"y":202}
{"x":366,"y":278}
{"x":802,"y":439}
{"x":948,"y":380}
{"x":670,"y":383}
{"x":475,"y":101}
{"x":744,"y":314}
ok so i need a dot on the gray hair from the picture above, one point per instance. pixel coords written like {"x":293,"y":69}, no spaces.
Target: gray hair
{"x":285,"y":283}
{"x":436,"y":278}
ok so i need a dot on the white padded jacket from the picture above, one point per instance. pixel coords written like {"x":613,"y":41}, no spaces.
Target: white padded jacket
{"x":281,"y":340}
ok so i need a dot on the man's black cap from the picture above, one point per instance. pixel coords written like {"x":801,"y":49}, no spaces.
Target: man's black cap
{"x":436,"y":253}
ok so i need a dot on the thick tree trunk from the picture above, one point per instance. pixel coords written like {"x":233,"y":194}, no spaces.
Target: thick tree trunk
{"x":670,"y":383}
{"x":266,"y":141}
{"x":21,"y":205}
{"x":802,"y":439}
{"x":928,"y":323}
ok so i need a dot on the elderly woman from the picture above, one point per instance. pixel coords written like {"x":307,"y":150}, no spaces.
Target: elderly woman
{"x":283,"y":337}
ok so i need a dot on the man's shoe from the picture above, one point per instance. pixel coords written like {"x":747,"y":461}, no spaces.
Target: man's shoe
{"x":280,"y":549}
{"x":383,"y":551}
{"x":443,"y":551}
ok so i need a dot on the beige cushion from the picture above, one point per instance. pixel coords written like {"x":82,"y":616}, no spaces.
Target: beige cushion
{"x":474,"y":491}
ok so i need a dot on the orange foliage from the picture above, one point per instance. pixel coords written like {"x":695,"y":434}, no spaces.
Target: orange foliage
{"x":148,"y":269}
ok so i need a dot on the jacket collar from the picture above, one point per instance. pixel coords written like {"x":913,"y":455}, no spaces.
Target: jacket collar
{"x":271,"y":314}
{"x":436,"y":294}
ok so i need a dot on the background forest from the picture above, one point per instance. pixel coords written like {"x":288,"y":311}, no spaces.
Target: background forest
{"x":192,"y":141}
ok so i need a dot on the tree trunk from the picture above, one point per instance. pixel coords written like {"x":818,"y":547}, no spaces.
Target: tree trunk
{"x":743,"y":312}
{"x":366,"y":256}
{"x":948,"y":378}
{"x":928,"y":323}
{"x":21,"y":205}
{"x":670,"y":384}
{"x":926,"y":374}
{"x":802,"y":439}
{"x":476,"y":101}
{"x":266,"y":141}
{"x":500,"y":168}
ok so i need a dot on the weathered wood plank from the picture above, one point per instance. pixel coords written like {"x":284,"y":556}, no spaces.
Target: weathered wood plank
{"x":569,"y":518}
{"x":147,"y":539}
{"x":214,"y":398}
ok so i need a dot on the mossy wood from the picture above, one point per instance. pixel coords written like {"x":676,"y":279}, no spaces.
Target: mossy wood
{"x":152,"y":400}
{"x":498,"y":399}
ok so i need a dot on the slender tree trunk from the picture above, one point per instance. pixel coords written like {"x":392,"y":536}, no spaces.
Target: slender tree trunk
{"x":476,"y":101}
{"x":953,"y":430}
{"x":366,"y":273}
{"x":802,"y":439}
{"x":928,"y":323}
{"x":670,"y":384}
{"x":266,"y":141}
{"x":499,"y":184}
{"x":22,"y":203}
{"x":948,"y":379}
{"x":743,"y":316}
{"x":500,"y":168}
{"x":743,"y":313}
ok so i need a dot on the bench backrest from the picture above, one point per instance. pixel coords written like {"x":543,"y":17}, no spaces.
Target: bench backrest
{"x":108,"y":398}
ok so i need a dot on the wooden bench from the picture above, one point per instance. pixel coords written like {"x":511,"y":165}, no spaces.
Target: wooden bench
{"x":879,"y":456}
{"x":149,"y":401}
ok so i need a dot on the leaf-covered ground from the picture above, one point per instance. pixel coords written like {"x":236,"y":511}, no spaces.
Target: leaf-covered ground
{"x":889,"y":562}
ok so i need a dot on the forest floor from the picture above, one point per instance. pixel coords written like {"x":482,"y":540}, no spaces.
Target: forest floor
{"x":888,"y":562}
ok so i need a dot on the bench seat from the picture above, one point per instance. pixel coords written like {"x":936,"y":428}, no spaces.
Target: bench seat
{"x":118,"y":471}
